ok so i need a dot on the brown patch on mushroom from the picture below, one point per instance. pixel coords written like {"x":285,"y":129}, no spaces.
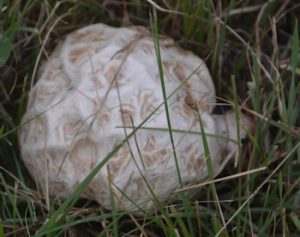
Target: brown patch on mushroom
{"x":51,"y":74}
{"x":163,"y":152}
{"x":56,"y":77}
{"x":146,"y":103}
{"x":167,"y":66}
{"x":120,"y":161}
{"x":195,"y":163}
{"x":78,"y":53}
{"x":179,"y":73}
{"x":156,"y":157}
{"x":150,"y":144}
{"x":127,"y":114}
{"x":79,"y":37}
{"x":114,"y":76}
{"x":110,"y":74}
{"x":82,"y":154}
{"x":189,"y":100}
{"x":191,"y":157}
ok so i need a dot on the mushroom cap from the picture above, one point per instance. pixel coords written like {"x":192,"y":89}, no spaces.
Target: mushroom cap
{"x":97,"y":85}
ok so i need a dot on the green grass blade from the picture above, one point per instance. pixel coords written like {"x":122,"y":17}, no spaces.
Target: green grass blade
{"x":292,"y":91}
{"x":183,"y":196}
{"x":1,"y":229}
{"x":210,"y":167}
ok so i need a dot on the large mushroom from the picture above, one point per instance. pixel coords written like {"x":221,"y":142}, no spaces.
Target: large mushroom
{"x":100,"y":84}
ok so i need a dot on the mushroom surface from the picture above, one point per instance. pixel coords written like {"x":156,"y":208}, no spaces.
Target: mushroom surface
{"x":99,"y":84}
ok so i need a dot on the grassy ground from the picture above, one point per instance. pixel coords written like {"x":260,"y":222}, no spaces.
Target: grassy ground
{"x":250,"y":45}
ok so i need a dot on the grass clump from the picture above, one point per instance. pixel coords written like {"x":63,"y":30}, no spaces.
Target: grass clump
{"x":252,"y":50}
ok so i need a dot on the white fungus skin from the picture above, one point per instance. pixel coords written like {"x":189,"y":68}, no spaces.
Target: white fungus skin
{"x":98,"y":84}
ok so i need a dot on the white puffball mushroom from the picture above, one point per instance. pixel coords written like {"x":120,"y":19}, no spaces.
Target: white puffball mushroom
{"x":99,"y":84}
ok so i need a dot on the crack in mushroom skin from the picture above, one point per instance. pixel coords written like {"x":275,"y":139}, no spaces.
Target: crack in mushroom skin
{"x":80,"y":117}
